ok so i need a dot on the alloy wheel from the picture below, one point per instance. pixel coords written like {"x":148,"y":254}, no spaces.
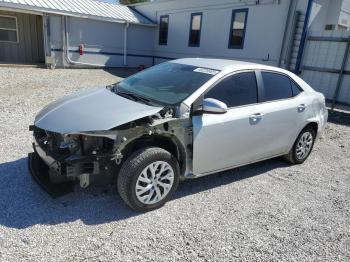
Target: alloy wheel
{"x":304,"y":145}
{"x":154,"y":183}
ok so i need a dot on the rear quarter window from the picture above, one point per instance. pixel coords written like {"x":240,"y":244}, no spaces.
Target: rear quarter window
{"x":295,"y":88}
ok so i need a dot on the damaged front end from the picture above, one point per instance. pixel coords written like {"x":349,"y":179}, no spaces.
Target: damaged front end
{"x":60,"y":160}
{"x":63,"y":159}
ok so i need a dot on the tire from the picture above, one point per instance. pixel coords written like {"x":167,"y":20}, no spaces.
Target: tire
{"x":144,"y":169}
{"x":295,"y":156}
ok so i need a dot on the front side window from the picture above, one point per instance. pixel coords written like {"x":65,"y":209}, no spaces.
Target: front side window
{"x":236,"y":90}
{"x":8,"y":29}
{"x":238,"y":28}
{"x":163,"y":30}
{"x":276,"y":86}
{"x":167,"y":83}
{"x":195,"y":29}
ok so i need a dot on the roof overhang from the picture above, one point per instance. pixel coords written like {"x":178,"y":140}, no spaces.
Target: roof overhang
{"x":20,"y":8}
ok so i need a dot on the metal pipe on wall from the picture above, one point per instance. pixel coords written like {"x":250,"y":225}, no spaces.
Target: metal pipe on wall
{"x":126,"y":43}
{"x":46,"y":35}
{"x":66,"y":46}
{"x":303,"y":37}
{"x":288,"y":21}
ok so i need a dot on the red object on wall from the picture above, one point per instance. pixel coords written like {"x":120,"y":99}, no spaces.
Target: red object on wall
{"x":141,"y":67}
{"x":81,"y":49}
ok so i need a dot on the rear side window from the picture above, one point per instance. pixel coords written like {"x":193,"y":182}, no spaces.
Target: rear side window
{"x":236,"y":90}
{"x":276,"y":86}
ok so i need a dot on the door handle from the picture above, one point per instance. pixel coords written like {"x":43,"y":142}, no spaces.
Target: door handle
{"x":301,"y":108}
{"x":256,"y":117}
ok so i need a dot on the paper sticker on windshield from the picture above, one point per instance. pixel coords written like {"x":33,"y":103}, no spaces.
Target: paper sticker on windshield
{"x":206,"y":71}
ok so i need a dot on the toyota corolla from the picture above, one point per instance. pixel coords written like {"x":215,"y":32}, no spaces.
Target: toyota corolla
{"x":178,"y":120}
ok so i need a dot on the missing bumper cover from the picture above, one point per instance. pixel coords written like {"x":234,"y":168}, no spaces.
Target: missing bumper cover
{"x":40,"y":173}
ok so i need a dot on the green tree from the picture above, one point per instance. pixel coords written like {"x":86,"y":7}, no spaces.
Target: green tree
{"x":129,"y":2}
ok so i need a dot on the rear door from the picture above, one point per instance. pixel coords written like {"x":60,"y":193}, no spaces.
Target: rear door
{"x":283,"y":110}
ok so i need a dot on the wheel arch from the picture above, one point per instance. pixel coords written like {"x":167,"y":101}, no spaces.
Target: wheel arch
{"x":313,"y":124}
{"x":168,"y":143}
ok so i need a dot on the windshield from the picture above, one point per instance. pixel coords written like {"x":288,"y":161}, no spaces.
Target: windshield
{"x":167,"y":83}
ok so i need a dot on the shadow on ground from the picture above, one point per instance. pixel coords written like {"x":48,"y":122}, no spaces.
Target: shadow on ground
{"x":23,"y":204}
{"x":339,"y":117}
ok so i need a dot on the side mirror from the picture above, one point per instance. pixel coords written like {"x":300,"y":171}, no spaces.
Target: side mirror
{"x":214,"y":106}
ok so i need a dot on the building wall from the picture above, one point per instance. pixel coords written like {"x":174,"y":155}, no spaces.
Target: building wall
{"x":29,"y":48}
{"x":266,"y":25}
{"x":344,"y":18}
{"x":324,"y":12}
{"x":327,"y":55}
{"x":264,"y":33}
{"x":103,"y":42}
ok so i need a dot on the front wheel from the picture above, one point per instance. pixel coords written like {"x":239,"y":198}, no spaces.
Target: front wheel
{"x":302,"y":146}
{"x":148,"y":178}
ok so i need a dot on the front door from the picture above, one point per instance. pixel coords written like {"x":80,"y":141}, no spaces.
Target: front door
{"x":226,"y":140}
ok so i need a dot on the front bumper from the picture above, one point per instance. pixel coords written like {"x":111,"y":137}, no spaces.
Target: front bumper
{"x":40,"y":173}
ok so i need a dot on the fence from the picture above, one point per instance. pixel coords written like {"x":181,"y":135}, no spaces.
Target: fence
{"x":326,"y":65}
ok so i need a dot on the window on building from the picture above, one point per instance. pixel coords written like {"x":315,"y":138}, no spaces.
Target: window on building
{"x":276,"y":86}
{"x":236,"y":90}
{"x":163,"y":29}
{"x":8,"y":29}
{"x":238,"y":28}
{"x":195,"y":29}
{"x":329,"y":27}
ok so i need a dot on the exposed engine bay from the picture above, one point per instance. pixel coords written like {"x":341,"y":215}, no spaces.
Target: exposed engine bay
{"x":96,"y":156}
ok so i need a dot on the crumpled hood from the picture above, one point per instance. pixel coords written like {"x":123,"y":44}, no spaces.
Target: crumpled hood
{"x":91,"y":110}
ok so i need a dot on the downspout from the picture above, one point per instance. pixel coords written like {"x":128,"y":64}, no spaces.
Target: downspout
{"x":47,"y":50}
{"x":66,"y":47}
{"x":303,"y":38}
{"x":285,"y":32}
{"x":126,"y":43}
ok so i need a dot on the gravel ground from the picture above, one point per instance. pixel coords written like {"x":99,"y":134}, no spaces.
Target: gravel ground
{"x":266,"y":211}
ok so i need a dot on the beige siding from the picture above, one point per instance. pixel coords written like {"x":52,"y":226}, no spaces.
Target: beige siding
{"x":29,"y":48}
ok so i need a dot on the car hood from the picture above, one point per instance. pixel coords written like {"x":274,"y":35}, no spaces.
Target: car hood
{"x":91,"y":110}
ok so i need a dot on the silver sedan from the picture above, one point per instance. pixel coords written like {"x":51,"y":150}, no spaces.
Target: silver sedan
{"x":178,"y":120}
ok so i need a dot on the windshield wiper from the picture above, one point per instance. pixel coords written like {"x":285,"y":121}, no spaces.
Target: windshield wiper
{"x":115,"y":88}
{"x":134,"y":96}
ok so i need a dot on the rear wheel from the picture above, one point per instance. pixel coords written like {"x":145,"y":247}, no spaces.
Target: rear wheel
{"x":148,"y":178}
{"x":302,"y":146}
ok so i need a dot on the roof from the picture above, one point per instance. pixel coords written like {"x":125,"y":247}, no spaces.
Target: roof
{"x":226,"y":64}
{"x":80,"y":8}
{"x":226,"y":67}
{"x":217,"y":64}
